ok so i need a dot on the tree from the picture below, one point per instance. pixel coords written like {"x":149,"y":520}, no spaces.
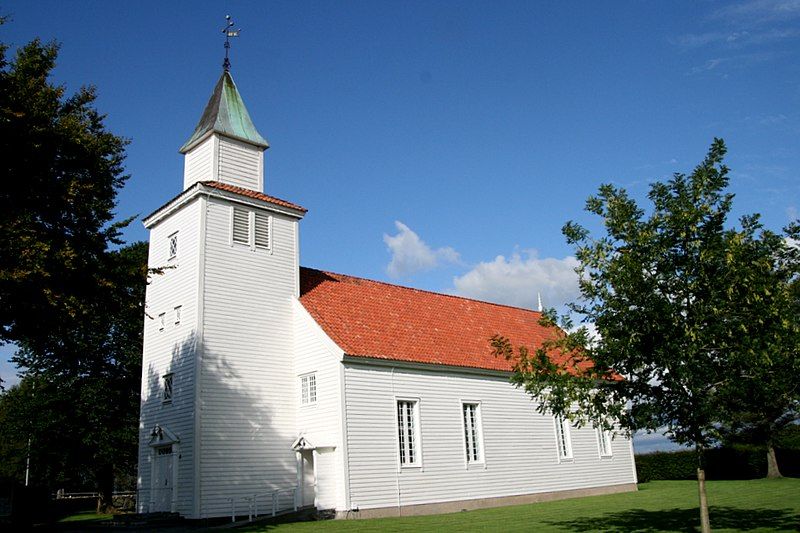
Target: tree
{"x":72,"y":304}
{"x":81,"y":426}
{"x":767,"y":398}
{"x":62,"y":170}
{"x":664,"y":292}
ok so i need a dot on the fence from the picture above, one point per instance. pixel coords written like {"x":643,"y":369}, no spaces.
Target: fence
{"x":155,"y":500}
{"x":275,"y":502}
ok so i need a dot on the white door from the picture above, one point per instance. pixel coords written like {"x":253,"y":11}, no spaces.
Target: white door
{"x":162,"y":480}
{"x":309,"y":479}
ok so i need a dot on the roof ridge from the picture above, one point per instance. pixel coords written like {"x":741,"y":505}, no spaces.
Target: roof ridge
{"x":426,"y":291}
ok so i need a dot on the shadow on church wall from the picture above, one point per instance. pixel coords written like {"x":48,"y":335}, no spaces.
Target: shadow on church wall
{"x":242,"y":454}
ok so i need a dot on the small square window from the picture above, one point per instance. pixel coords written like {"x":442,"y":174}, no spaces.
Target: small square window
{"x":178,"y":314}
{"x":161,"y":321}
{"x":167,"y":391}
{"x":173,"y":245}
{"x":308,"y":389}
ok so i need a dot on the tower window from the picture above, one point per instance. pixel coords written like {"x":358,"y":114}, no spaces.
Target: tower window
{"x":173,"y":246}
{"x":167,"y":391}
{"x":261,"y":237}
{"x":250,"y":228}
{"x":161,"y":321}
{"x":178,"y":310}
{"x":241,"y":225}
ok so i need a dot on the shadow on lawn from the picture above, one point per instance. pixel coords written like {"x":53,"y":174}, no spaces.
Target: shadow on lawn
{"x":686,"y":520}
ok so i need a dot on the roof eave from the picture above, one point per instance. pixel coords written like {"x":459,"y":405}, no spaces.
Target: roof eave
{"x":191,"y":143}
{"x":198,"y":188}
{"x":417,"y":365}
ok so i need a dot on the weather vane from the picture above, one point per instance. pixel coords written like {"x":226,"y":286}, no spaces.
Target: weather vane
{"x":228,"y":34}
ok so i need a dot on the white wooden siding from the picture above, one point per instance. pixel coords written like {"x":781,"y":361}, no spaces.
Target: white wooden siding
{"x":321,"y":422}
{"x":199,"y":163}
{"x":248,"y":389}
{"x":171,"y":350}
{"x":519,"y":444}
{"x":240,"y":164}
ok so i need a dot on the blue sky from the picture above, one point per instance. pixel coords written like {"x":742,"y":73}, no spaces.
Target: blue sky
{"x":443,"y":145}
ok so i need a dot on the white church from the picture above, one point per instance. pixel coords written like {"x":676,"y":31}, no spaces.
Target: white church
{"x":269,"y":385}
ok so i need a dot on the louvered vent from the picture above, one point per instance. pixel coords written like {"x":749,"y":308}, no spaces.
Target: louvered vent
{"x":241,"y":225}
{"x":262,"y":230}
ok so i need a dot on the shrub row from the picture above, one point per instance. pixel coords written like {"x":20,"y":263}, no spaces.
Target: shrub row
{"x":721,"y":463}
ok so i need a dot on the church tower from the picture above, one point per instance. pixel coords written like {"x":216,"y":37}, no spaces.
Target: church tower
{"x":218,"y":394}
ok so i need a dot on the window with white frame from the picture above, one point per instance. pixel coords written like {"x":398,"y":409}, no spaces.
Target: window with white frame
{"x":261,"y":232}
{"x":178,"y":310}
{"x":240,"y":225}
{"x":563,"y":440}
{"x":408,"y":432}
{"x":604,"y":442}
{"x":250,"y":228}
{"x":472,"y":432}
{"x":161,"y":321}
{"x":308,"y":389}
{"x":173,"y":246}
{"x":166,"y":395}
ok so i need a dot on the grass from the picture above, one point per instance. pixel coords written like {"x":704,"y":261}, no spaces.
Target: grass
{"x":754,"y":505}
{"x":86,"y":516}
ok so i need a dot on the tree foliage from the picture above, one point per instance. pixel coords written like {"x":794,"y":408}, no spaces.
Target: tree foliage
{"x":70,"y":298}
{"x":692,"y":316}
{"x":82,"y":425}
{"x":62,"y":170}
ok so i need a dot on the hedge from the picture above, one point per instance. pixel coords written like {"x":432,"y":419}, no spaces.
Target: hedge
{"x":721,"y":463}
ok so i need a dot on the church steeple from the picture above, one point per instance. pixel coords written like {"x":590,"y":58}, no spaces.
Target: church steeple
{"x":225,"y":145}
{"x":227,"y":115}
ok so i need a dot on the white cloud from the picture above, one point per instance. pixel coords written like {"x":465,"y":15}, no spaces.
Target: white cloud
{"x":757,"y":12}
{"x":410,"y":254}
{"x":517,"y":280}
{"x":791,"y":213}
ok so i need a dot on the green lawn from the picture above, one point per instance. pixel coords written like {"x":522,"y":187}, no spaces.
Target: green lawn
{"x":86,"y":516}
{"x":756,"y":505}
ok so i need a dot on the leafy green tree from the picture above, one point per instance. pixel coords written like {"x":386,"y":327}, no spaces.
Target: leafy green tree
{"x":62,"y":170}
{"x":767,"y":398}
{"x":72,"y":304}
{"x":667,"y":293}
{"x":81,"y":423}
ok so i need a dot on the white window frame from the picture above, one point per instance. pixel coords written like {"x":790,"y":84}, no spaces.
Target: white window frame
{"x":178,"y":312}
{"x":472,"y":440}
{"x":268,"y":245}
{"x":308,"y":389}
{"x":251,"y":229}
{"x":167,"y":387}
{"x":562,"y":427}
{"x":172,"y":246}
{"x":249,"y":214}
{"x":162,"y":320}
{"x":402,"y":431}
{"x":604,"y":442}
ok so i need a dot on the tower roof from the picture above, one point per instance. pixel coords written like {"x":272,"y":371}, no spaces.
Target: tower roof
{"x":226,"y":114}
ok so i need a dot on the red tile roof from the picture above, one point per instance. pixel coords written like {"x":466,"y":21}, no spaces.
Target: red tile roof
{"x":372,"y":319}
{"x":252,"y":194}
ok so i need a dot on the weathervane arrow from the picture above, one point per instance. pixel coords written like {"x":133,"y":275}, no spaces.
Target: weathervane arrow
{"x":228,"y":34}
